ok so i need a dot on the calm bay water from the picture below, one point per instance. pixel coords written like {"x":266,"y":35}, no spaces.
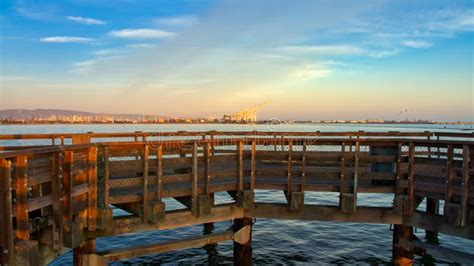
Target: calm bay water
{"x":274,"y":241}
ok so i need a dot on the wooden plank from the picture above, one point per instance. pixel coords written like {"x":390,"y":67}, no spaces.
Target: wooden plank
{"x":57,"y":197}
{"x":92,"y":194}
{"x":146,"y":153}
{"x":159,"y":172}
{"x":21,"y":192}
{"x":252,"y":165}
{"x":449,"y":176}
{"x":68,"y":185}
{"x":356,"y":169}
{"x":207,"y":166}
{"x":190,"y":242}
{"x":195,"y":184}
{"x":288,"y":181}
{"x":411,"y":176}
{"x":6,"y":230}
{"x":303,"y":168}
{"x":465,"y":185}
{"x":240,"y":164}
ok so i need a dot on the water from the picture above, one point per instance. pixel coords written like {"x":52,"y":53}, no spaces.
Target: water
{"x":274,"y":241}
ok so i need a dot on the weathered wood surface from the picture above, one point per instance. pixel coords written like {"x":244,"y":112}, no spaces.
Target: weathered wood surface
{"x":56,"y":188}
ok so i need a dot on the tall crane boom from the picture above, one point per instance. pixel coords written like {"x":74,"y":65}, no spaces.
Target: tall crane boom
{"x":248,"y":115}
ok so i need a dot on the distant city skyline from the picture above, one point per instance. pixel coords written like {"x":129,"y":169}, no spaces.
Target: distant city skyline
{"x":384,"y":60}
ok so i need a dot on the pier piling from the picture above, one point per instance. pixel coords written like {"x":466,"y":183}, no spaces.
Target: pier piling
{"x":243,"y":241}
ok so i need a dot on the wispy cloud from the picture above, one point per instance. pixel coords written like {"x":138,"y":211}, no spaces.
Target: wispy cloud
{"x":417,"y":44}
{"x":311,"y":71}
{"x":141,"y":34}
{"x":325,"y":49}
{"x":88,"y":21}
{"x":36,"y":11}
{"x":177,"y":21}
{"x":66,"y":39}
{"x":141,"y":45}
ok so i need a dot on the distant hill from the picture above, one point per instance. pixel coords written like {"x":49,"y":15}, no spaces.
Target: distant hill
{"x":26,"y":114}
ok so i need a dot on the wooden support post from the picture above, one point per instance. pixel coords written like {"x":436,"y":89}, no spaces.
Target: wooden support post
{"x":450,"y":175}
{"x":159,"y":172}
{"x":288,"y":181}
{"x":243,"y":250}
{"x":207,"y":168}
{"x":6,"y":230}
{"x":21,"y":191}
{"x":146,"y":152}
{"x":92,"y":194}
{"x":211,"y":249}
{"x":452,"y":211}
{"x":411,"y":177}
{"x":106,"y":177}
{"x":87,"y":247}
{"x":240,"y":163}
{"x":57,"y":201}
{"x":303,"y":168}
{"x":465,"y":185}
{"x":432,"y":207}
{"x":356,"y":171}
{"x":195,"y":181}
{"x":343,"y":170}
{"x":400,"y":255}
{"x":252,"y":165}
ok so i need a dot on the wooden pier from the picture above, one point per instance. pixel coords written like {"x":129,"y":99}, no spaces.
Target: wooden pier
{"x":58,"y":191}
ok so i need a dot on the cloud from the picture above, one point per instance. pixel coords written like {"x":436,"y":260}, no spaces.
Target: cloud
{"x":325,"y":49}
{"x":141,"y":45}
{"x":66,"y":39}
{"x":312,"y":71}
{"x":88,"y":21}
{"x":141,"y":34}
{"x":417,"y":44}
{"x":177,"y":21}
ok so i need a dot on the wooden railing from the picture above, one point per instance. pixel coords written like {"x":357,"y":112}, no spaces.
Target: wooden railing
{"x":58,"y":196}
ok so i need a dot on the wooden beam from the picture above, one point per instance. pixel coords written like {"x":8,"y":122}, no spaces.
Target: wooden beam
{"x":380,"y":215}
{"x":436,"y":223}
{"x":195,"y":181}
{"x":92,"y":190}
{"x":106,"y":177}
{"x":68,"y":185}
{"x":439,"y":252}
{"x":411,"y":177}
{"x":190,"y":242}
{"x":146,"y":153}
{"x":449,"y":176}
{"x":252,"y":165}
{"x":57,"y":200}
{"x":303,"y":167}
{"x":465,"y":184}
{"x":343,"y":170}
{"x":21,"y":192}
{"x":159,"y":173}
{"x":207,"y":168}
{"x":6,"y":230}
{"x":398,"y":171}
{"x":289,"y":177}
{"x":240,"y":163}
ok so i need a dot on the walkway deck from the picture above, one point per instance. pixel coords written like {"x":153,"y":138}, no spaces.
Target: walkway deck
{"x":57,"y":190}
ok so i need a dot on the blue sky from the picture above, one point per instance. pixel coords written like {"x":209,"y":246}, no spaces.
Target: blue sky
{"x":313,"y":59}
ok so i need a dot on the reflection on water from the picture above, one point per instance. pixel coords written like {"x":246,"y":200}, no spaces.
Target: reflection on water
{"x":274,"y":241}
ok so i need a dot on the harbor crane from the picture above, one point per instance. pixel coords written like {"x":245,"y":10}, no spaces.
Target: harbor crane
{"x":248,"y":115}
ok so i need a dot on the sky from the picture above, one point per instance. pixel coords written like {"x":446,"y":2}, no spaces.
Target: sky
{"x":322,"y":59}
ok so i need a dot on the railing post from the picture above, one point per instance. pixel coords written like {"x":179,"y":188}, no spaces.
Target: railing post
{"x":303,"y":167}
{"x":57,"y":201}
{"x":159,"y":172}
{"x":343,"y":170}
{"x":21,"y":192}
{"x":240,"y":166}
{"x":465,"y":184}
{"x":195,"y":183}
{"x":6,"y":236}
{"x":146,"y":152}
{"x":207,"y":168}
{"x":252,"y":165}
{"x":289,"y":176}
{"x":92,"y":194}
{"x":411,"y":177}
